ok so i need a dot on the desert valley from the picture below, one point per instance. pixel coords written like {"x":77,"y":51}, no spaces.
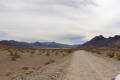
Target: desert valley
{"x":34,"y":63}
{"x":59,"y":39}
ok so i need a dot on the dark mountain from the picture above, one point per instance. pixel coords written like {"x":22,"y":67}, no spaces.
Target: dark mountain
{"x":100,"y":41}
{"x":35,"y":44}
{"x":14,"y":43}
{"x":96,"y":41}
{"x":114,"y":41}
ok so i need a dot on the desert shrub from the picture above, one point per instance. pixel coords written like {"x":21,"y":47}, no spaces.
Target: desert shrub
{"x":29,"y":72}
{"x":49,"y":62}
{"x":118,"y":56}
{"x":65,"y":54}
{"x":110,"y":54}
{"x":38,"y":68}
{"x":32,"y":51}
{"x":56,"y":53}
{"x":8,"y":74}
{"x":28,"y":68}
{"x":70,"y":51}
{"x":22,"y":51}
{"x":47,"y":54}
{"x":15,"y":56}
{"x":11,"y":53}
{"x":13,"y":59}
{"x":25,"y":68}
{"x":98,"y":52}
{"x":106,"y":51}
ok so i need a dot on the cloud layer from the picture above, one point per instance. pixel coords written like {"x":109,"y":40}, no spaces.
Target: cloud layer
{"x":65,"y":21}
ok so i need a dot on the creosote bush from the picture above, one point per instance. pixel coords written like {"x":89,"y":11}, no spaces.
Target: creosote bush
{"x":106,"y":51}
{"x":111,"y":54}
{"x":49,"y":62}
{"x":17,"y":52}
{"x":14,"y":55}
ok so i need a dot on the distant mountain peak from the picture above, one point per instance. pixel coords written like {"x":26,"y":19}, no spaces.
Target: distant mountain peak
{"x":101,"y":41}
{"x":115,"y":37}
{"x":100,"y":37}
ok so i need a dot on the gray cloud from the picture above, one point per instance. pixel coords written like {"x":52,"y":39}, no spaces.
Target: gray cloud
{"x":74,"y":3}
{"x":26,"y":3}
{"x":53,"y":20}
{"x":73,"y":37}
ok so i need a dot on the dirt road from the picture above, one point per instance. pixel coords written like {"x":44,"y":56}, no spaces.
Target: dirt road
{"x":87,"y":66}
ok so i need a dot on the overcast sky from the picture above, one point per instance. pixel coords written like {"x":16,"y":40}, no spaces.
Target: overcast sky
{"x":64,"y":21}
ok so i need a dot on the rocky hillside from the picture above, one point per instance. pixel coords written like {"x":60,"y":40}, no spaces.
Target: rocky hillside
{"x":101,"y":41}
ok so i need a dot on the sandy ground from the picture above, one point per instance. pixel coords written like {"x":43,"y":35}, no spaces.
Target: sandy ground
{"x":54,"y":71}
{"x":80,"y":65}
{"x":28,"y":63}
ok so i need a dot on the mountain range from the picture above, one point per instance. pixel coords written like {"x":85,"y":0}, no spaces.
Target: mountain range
{"x":97,"y":41}
{"x":35,"y":44}
{"x":101,"y":41}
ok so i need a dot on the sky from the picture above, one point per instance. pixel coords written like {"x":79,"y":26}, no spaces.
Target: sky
{"x":64,"y":21}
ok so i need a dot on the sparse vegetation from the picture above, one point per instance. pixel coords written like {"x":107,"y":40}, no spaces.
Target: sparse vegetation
{"x":111,"y":54}
{"x":20,"y":58}
{"x":14,"y":56}
{"x":8,"y":74}
{"x":25,"y":68}
{"x":106,"y":51}
{"x":17,"y":52}
{"x":49,"y":62}
{"x":47,"y":54}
